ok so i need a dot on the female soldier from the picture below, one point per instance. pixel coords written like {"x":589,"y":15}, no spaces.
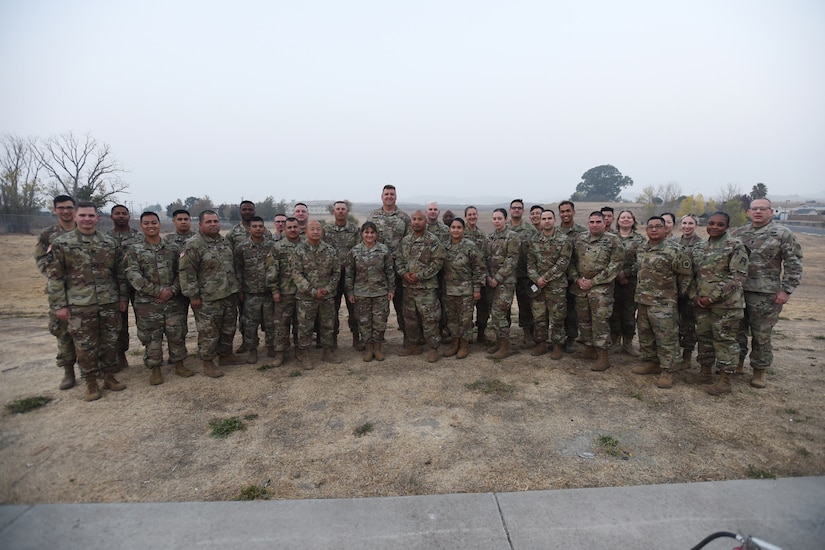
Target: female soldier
{"x":623,"y":319}
{"x":687,"y":314}
{"x":463,"y":276}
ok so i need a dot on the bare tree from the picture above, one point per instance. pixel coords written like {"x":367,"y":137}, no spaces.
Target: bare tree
{"x":729,"y":192}
{"x":20,"y":188}
{"x":81,"y":167}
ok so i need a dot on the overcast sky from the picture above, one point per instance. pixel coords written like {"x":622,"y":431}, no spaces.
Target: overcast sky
{"x":333,"y":99}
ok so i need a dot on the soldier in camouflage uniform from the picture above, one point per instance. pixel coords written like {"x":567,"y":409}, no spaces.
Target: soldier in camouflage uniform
{"x":259,"y":309}
{"x":208,"y":279}
{"x":664,"y":273}
{"x":64,"y":210}
{"x":183,"y":232}
{"x":525,"y":232}
{"x":464,"y":275}
{"x":419,"y":258}
{"x":548,"y":258}
{"x":472,"y":232}
{"x":279,"y":223}
{"x":687,"y":313}
{"x":342,"y":234}
{"x":87,"y":289}
{"x":369,"y":280}
{"x":719,"y":270}
{"x":501,"y":254}
{"x":160,"y":309}
{"x":623,"y":319}
{"x":442,"y":232}
{"x":281,"y":286}
{"x":316,"y":270}
{"x":535,"y":216}
{"x":598,"y":256}
{"x":774,"y":272}
{"x":124,"y":235}
{"x":393,"y":224}
{"x":568,"y":227}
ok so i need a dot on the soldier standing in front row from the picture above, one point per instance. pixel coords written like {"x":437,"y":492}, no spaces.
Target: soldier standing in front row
{"x":160,"y":309}
{"x":258,"y":307}
{"x":464,"y":274}
{"x":280,"y":284}
{"x":502,"y":255}
{"x":88,"y":290}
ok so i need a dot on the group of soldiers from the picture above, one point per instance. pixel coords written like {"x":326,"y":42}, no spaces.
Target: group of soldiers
{"x":444,"y":278}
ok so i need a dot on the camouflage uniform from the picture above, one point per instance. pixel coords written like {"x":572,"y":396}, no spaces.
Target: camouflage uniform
{"x":775,"y":263}
{"x":314,"y":268}
{"x":258,"y":309}
{"x":440,"y":230}
{"x":239,"y":233}
{"x":279,"y":281}
{"x":66,"y":355}
{"x":392,"y":227}
{"x":663,"y":274}
{"x":343,"y":238}
{"x":464,"y":272}
{"x":687,"y":311}
{"x":482,"y":306}
{"x":124,"y":239}
{"x":423,"y":256}
{"x":623,"y":318}
{"x":571,"y":324}
{"x":548,"y":257}
{"x":502,"y":253}
{"x":719,"y":269}
{"x":150,"y":268}
{"x":597,"y":258}
{"x":207,"y":273}
{"x":525,"y":233}
{"x":86,"y":276}
{"x":370,"y":277}
{"x":178,"y":239}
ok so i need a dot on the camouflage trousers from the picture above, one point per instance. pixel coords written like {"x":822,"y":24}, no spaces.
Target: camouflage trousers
{"x":155,"y":320}
{"x":549,"y":311}
{"x":307,"y":312}
{"x":372,"y":314}
{"x":284,"y":321}
{"x":94,"y":330}
{"x":422,"y":314}
{"x":761,"y":315}
{"x":459,"y":311}
{"x":66,"y":355}
{"x":352,"y":317}
{"x":623,"y":318}
{"x":524,"y":300}
{"x":659,"y":334}
{"x":216,"y":326}
{"x":687,"y":323}
{"x":716,"y":329}
{"x":258,"y":311}
{"x":500,"y":300}
{"x":483,"y":309}
{"x":593,"y":311}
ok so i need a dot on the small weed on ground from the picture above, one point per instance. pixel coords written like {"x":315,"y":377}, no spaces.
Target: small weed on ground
{"x":818,"y":337}
{"x":790,"y":410}
{"x":491,"y":386}
{"x":223,"y":428}
{"x":295,"y":374}
{"x":802,"y":451}
{"x":255,"y":492}
{"x":756,"y":473}
{"x":611,"y":446}
{"x":363,"y":429}
{"x":250,"y":417}
{"x":27,"y":404}
{"x":265,"y":367}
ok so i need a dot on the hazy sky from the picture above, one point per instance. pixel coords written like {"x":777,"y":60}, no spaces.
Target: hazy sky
{"x":470,"y":99}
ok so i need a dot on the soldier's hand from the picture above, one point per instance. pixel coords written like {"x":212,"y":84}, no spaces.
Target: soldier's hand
{"x":390,"y":296}
{"x":123,"y":305}
{"x":351,"y":299}
{"x":240,"y":297}
{"x":781,"y":298}
{"x":64,"y":314}
{"x":542,"y":282}
{"x":164,"y":296}
{"x":476,"y":296}
{"x":195,"y":303}
{"x":276,"y":297}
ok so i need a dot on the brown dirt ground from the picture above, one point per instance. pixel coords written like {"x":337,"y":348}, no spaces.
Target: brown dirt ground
{"x":431,"y":433}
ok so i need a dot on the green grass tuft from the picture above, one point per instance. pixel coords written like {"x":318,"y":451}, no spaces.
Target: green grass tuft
{"x":755,"y":473}
{"x":254,"y":492}
{"x":363,"y":429}
{"x":27,"y":404}
{"x":611,"y":446}
{"x":295,"y":374}
{"x":491,"y":386}
{"x":223,"y":428}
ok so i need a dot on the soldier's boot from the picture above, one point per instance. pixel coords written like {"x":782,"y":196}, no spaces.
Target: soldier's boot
{"x":252,"y":356}
{"x":453,"y":348}
{"x":270,"y":351}
{"x":122,"y":363}
{"x":494,"y":347}
{"x":760,"y":379}
{"x":369,"y":355}
{"x":648,"y":367}
{"x":481,"y":338}
{"x":570,"y":345}
{"x":589,"y":353}
{"x":446,"y":337}
{"x":740,"y":368}
{"x":722,"y":386}
{"x":412,"y":349}
{"x":226,"y":360}
{"x":377,"y":352}
{"x":540,"y":349}
{"x":557,"y":353}
{"x":433,"y":355}
{"x":665,"y":380}
{"x":503,"y":349}
{"x":627,"y":347}
{"x":210,"y":370}
{"x":602,"y":361}
{"x":615,"y":342}
{"x":278,"y":359}
{"x":156,"y":378}
{"x":68,"y":378}
{"x":685,"y":364}
{"x":242,"y":348}
{"x":92,"y":391}
{"x":463,"y":349}
{"x":302,"y":358}
{"x":357,"y":345}
{"x":182,"y":371}
{"x":328,"y":356}
{"x":111,"y":383}
{"x":704,"y":376}
{"x":528,"y":339}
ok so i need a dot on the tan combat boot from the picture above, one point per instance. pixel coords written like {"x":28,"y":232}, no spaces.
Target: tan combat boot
{"x":68,"y":378}
{"x":377,"y":351}
{"x":412,"y":349}
{"x":704,"y":376}
{"x":92,"y":391}
{"x":722,"y":386}
{"x":648,"y":367}
{"x":453,"y":348}
{"x":182,"y":371}
{"x":328,"y":356}
{"x":589,"y":352}
{"x":252,"y":356}
{"x":494,"y":347}
{"x":503,"y":349}
{"x":463,"y":349}
{"x":602,"y":361}
{"x":368,"y":352}
{"x":740,"y":368}
{"x":302,"y":358}
{"x":111,"y":383}
{"x":210,"y":370}
{"x":157,"y":377}
{"x":226,"y":360}
{"x":528,"y":339}
{"x":278,"y":358}
{"x":433,"y":355}
{"x":540,"y":349}
{"x":665,"y":380}
{"x":557,"y":353}
{"x":760,"y":379}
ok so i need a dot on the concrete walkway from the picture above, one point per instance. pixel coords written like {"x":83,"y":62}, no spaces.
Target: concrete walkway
{"x":789,"y":513}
